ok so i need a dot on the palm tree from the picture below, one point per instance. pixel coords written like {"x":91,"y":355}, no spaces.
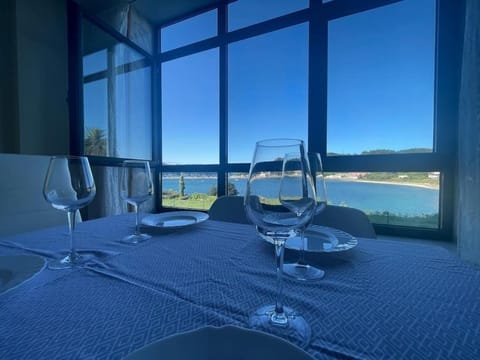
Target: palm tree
{"x":96,"y":142}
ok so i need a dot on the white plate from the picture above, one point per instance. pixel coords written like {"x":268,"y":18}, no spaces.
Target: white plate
{"x":321,"y":239}
{"x":174,"y":219}
{"x":220,"y":343}
{"x":15,"y":269}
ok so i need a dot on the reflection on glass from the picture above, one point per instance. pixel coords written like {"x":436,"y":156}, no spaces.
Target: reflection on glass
{"x":189,"y":190}
{"x":188,"y":31}
{"x":276,"y":106}
{"x":190,"y":109}
{"x":381,"y":80}
{"x":243,"y":13}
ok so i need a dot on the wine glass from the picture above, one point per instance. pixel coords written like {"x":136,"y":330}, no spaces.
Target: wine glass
{"x":69,"y":186}
{"x":279,"y":199}
{"x":136,"y":187}
{"x":301,"y":270}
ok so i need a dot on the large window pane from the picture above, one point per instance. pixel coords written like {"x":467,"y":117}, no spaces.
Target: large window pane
{"x":243,"y":13}
{"x":95,"y":111}
{"x":188,"y":31}
{"x":117,"y":98}
{"x":381,"y":80}
{"x":267,"y":94}
{"x":190,"y":109}
{"x":407,"y":198}
{"x":189,"y":190}
{"x":95,"y":62}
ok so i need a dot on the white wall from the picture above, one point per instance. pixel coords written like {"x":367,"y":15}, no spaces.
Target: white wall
{"x":468,"y":197}
{"x":8,"y":79}
{"x":36,"y":122}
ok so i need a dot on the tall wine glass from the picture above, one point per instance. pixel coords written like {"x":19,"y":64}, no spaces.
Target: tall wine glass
{"x":301,"y":270}
{"x":136,"y":187}
{"x":279,"y":199}
{"x":69,"y":186}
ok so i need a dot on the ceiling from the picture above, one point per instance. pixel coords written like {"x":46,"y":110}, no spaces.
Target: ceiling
{"x":155,"y":11}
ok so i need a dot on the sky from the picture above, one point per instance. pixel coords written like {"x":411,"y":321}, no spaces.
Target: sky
{"x":380,"y":83}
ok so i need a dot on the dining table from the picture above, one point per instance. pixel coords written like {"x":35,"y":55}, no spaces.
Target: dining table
{"x":382,"y":299}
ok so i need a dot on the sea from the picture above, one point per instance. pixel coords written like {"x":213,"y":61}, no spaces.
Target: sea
{"x":370,"y":197}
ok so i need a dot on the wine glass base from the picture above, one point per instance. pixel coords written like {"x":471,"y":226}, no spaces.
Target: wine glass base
{"x":294,"y":328}
{"x":69,"y":261}
{"x":135,"y":238}
{"x":303,"y":272}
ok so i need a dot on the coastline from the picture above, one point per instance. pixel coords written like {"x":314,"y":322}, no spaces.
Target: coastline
{"x":423,"y":186}
{"x":344,"y":179}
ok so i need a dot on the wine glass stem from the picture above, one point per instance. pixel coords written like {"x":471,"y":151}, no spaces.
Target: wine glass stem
{"x":71,"y":229}
{"x":137,"y":228}
{"x":279,"y":317}
{"x":301,"y":259}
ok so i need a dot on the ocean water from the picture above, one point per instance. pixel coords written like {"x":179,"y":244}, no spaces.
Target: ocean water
{"x":369,"y":197}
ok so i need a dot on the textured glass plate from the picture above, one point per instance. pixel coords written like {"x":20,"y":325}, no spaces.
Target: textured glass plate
{"x":174,"y":219}
{"x":227,"y":342}
{"x":321,"y":239}
{"x":15,"y":269}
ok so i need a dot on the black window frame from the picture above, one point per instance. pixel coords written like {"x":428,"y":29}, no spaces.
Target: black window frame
{"x":449,"y":37}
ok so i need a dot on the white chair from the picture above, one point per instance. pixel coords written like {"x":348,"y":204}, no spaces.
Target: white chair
{"x":350,"y":220}
{"x":22,"y":205}
{"x":230,"y":209}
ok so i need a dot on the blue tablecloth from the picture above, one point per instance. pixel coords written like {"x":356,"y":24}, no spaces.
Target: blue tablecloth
{"x":380,"y":300}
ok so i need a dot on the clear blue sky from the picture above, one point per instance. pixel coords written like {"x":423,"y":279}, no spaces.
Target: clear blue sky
{"x":380,"y":83}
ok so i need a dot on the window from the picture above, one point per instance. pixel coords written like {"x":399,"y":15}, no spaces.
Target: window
{"x":381,"y":67}
{"x":189,"y":190}
{"x":359,"y":81}
{"x":117,"y":98}
{"x":393,"y":198}
{"x":190,"y":109}
{"x":243,"y":13}
{"x":268,"y":84}
{"x":188,"y":31}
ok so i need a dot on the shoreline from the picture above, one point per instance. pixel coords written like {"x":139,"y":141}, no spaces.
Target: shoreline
{"x":423,"y":186}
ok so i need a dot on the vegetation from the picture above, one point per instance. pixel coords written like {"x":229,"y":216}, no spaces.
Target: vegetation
{"x":197,"y":201}
{"x":231,"y":190}
{"x":422,"y":178}
{"x":426,"y":221}
{"x":181,"y":186}
{"x":387,"y":152}
{"x":96,"y":142}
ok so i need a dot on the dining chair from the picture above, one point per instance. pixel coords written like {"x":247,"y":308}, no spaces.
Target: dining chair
{"x":22,"y":205}
{"x":229,"y":208}
{"x":350,"y":220}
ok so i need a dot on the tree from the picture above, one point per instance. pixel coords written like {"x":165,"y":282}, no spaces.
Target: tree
{"x":213,"y":191}
{"x":96,"y":142}
{"x":181,"y":185}
{"x":231,"y":190}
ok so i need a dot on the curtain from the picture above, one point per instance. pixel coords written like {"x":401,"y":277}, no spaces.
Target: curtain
{"x":128,"y":22}
{"x":125,"y":99}
{"x":468,"y":205}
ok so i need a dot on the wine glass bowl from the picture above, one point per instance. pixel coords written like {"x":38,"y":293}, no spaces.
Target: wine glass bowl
{"x":279,"y":199}
{"x":69,"y":186}
{"x":301,"y":270}
{"x":136,"y":187}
